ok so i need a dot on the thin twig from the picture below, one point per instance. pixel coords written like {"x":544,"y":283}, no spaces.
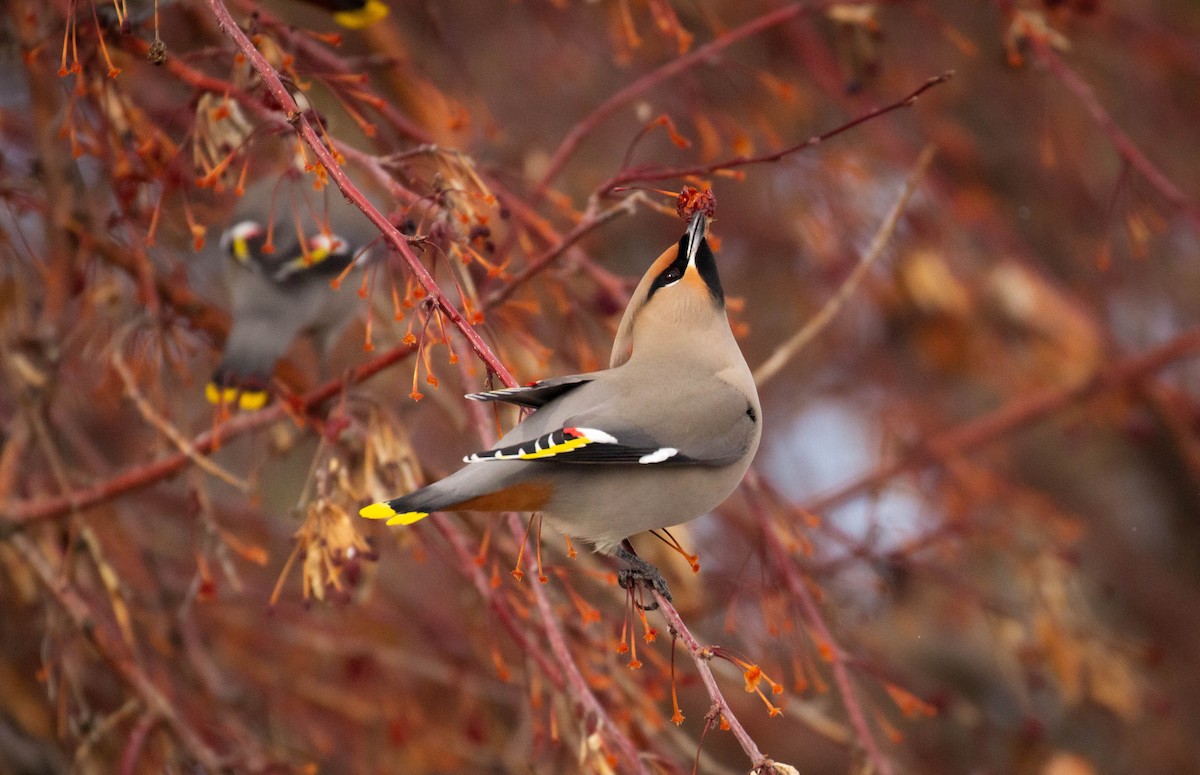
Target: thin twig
{"x":649,"y":174}
{"x":667,"y":71}
{"x":100,"y":732}
{"x":1121,"y":141}
{"x":701,"y":656}
{"x":786,"y":351}
{"x":150,"y":415}
{"x":536,"y":265}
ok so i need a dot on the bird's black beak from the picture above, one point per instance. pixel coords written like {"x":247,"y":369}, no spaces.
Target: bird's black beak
{"x":701,"y":258}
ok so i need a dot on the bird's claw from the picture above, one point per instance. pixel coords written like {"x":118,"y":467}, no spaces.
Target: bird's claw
{"x":648,"y":578}
{"x":640,"y":573}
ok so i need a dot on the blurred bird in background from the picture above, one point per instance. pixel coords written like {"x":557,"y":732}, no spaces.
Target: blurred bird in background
{"x":281,"y":274}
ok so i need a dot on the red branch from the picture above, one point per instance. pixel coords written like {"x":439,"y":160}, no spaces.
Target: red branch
{"x":821,"y":633}
{"x":27,"y":512}
{"x":1019,"y":412}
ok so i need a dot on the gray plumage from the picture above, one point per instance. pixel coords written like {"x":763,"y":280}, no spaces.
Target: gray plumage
{"x":279,"y":295}
{"x":661,"y":437}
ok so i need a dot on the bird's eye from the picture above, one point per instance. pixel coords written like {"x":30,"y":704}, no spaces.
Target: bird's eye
{"x":666,"y":277}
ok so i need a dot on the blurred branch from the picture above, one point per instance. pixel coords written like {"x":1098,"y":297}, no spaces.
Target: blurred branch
{"x":204,"y":316}
{"x":647,"y":174}
{"x":466,"y":564}
{"x":828,"y":646}
{"x":55,"y":169}
{"x":1018,"y":413}
{"x":161,"y":423}
{"x":786,"y":351}
{"x":106,"y":727}
{"x":667,"y":71}
{"x":96,"y":631}
{"x":1121,"y":141}
{"x":331,"y":63}
{"x":18,"y":515}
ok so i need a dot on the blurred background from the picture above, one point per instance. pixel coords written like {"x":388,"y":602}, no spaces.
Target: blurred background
{"x":968,"y":543}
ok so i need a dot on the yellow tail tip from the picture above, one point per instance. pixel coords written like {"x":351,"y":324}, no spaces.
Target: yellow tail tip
{"x":220,"y":395}
{"x":246,"y":400}
{"x":371,"y":12}
{"x":377,"y":511}
{"x":384,"y":511}
{"x":407,"y":518}
{"x":253,"y":400}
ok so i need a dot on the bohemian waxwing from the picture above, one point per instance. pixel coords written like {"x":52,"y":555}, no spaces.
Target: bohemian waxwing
{"x":659,"y":438}
{"x":275,"y":297}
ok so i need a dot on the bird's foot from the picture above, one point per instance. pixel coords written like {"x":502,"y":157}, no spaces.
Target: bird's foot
{"x":640,"y":574}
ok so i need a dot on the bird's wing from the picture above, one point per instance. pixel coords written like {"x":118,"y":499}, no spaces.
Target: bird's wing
{"x":326,"y":256}
{"x":582,"y":445}
{"x":695,"y":426}
{"x":535,"y":394}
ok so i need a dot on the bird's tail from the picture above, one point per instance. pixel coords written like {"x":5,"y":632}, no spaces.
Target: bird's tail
{"x":488,"y":486}
{"x":410,"y":508}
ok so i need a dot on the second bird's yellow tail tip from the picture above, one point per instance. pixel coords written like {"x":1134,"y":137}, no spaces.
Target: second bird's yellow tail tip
{"x":384,"y":511}
{"x":246,"y":400}
{"x":358,"y":18}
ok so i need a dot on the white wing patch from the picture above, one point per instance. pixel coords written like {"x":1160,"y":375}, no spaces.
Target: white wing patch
{"x":598,"y":436}
{"x":659,"y":455}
